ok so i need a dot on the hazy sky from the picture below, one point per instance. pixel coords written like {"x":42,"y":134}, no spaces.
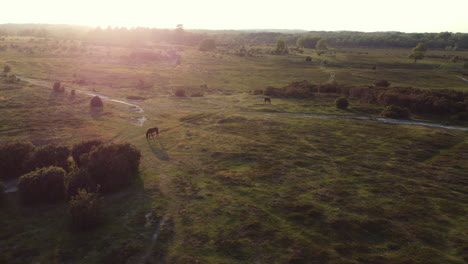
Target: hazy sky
{"x":358,"y":15}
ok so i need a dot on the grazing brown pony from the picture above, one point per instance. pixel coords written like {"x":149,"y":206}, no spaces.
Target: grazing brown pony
{"x":152,"y":131}
{"x":266,"y":99}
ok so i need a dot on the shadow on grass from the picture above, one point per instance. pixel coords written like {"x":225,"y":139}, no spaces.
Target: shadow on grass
{"x":96,"y":112}
{"x":158,"y":148}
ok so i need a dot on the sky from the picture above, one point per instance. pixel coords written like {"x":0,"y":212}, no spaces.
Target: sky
{"x":332,"y":15}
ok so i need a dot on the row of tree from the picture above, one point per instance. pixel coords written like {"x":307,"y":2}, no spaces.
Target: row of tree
{"x":137,"y":36}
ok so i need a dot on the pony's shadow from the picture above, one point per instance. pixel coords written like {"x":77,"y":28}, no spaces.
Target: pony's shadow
{"x":158,"y":149}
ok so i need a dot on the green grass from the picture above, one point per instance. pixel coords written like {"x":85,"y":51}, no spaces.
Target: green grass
{"x":235,"y":181}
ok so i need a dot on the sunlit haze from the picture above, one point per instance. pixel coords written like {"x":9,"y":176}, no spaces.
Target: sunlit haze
{"x":356,"y":15}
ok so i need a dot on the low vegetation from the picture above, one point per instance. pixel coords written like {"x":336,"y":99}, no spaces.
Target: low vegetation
{"x":86,"y":210}
{"x":230,"y":179}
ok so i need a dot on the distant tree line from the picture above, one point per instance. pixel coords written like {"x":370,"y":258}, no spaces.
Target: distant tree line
{"x":133,"y":36}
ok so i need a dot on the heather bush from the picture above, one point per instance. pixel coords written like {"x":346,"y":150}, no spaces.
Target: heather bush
{"x":113,"y":166}
{"x":82,"y":148}
{"x":96,"y":102}
{"x":42,"y":185}
{"x":49,"y":155}
{"x":13,"y":157}
{"x":179,"y":92}
{"x":85,"y":210}
{"x":58,"y":87}
{"x":341,"y":103}
{"x":79,"y":179}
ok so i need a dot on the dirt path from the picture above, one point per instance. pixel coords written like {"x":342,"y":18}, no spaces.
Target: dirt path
{"x":377,"y":119}
{"x":139,"y":121}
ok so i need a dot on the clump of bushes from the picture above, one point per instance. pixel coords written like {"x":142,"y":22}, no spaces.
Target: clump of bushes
{"x":113,"y":166}
{"x":13,"y":157}
{"x":42,"y":185}
{"x":96,"y":102}
{"x":382,"y":83}
{"x":394,"y":111}
{"x":179,"y":92}
{"x":6,"y":69}
{"x":83,"y":148}
{"x":79,"y":179}
{"x":58,"y":87}
{"x":85,"y":210}
{"x":49,"y":155}
{"x":308,"y":58}
{"x":341,"y":103}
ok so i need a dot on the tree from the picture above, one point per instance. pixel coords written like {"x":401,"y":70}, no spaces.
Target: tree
{"x":307,"y":42}
{"x":281,"y":47}
{"x":321,"y":45}
{"x":418,"y":52}
{"x":6,"y":69}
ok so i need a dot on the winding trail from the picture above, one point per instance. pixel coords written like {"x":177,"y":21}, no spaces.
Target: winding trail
{"x":139,"y":121}
{"x":377,"y":119}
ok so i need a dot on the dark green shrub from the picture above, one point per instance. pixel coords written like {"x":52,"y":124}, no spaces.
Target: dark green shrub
{"x":382,"y":83}
{"x":85,"y":210}
{"x":308,"y":58}
{"x":79,"y":179}
{"x":96,"y":102}
{"x":207,"y":45}
{"x":81,"y":148}
{"x":394,"y":111}
{"x":49,"y":155}
{"x":6,"y":69}
{"x":13,"y":157}
{"x":42,"y":185}
{"x":58,"y":87}
{"x":341,"y":103}
{"x":113,"y":166}
{"x":179,"y":92}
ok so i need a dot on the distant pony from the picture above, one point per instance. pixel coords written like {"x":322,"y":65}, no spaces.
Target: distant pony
{"x":151,"y":132}
{"x":266,"y":100}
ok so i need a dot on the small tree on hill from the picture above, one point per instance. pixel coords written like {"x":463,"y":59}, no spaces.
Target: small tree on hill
{"x":418,"y":52}
{"x":6,"y":69}
{"x":321,"y":45}
{"x":281,"y":47}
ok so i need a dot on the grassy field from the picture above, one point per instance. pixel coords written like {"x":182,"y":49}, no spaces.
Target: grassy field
{"x":237,"y":181}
